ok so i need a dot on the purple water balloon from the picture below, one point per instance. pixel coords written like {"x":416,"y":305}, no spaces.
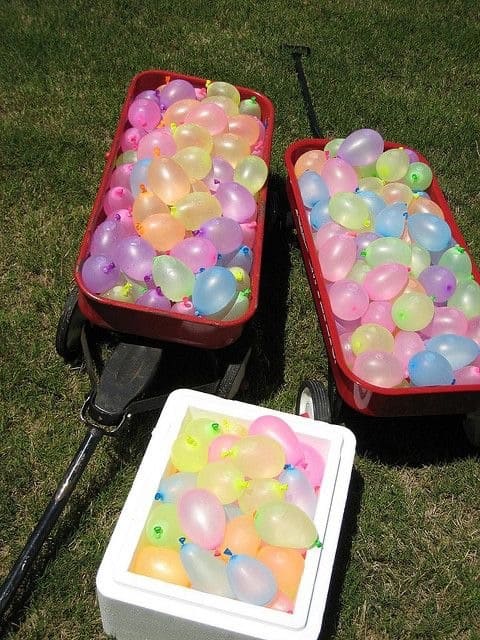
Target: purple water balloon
{"x":221,"y":171}
{"x":362,"y":147}
{"x":196,"y":252}
{"x":412,"y":155}
{"x":438,"y":282}
{"x":105,"y":237}
{"x":134,"y":257}
{"x":144,"y":114}
{"x":236,"y":201}
{"x":154,"y":298}
{"x":99,"y":274}
{"x":124,"y":219}
{"x":149,"y":94}
{"x":225,"y":233}
{"x":117,"y":198}
{"x":175,"y":90}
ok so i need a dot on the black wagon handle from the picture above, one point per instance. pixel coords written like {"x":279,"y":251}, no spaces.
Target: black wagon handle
{"x":297,"y":52}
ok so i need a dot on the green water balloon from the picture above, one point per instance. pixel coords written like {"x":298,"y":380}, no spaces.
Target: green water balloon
{"x":350,"y":211}
{"x":413,"y":311}
{"x":388,"y":249}
{"x":283,"y":524}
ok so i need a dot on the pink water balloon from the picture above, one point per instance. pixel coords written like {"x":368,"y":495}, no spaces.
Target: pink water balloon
{"x":144,"y":114}
{"x":236,"y":201}
{"x":339,"y":176}
{"x":208,"y":115}
{"x":225,"y":233}
{"x":130,"y":138}
{"x":313,"y":464}
{"x":406,"y":345}
{"x":124,"y":219}
{"x":279,"y":430}
{"x":158,"y":142}
{"x":202,"y":517}
{"x":175,"y":90}
{"x":326,"y":232}
{"x":349,"y":299}
{"x":155,"y":299}
{"x":386,"y":281}
{"x":220,"y":445}
{"x":117,"y":198}
{"x":221,"y":171}
{"x":196,"y":252}
{"x":105,"y":237}
{"x":447,"y":320}
{"x":184,"y":307}
{"x":337,"y":256}
{"x":379,"y":312}
{"x":121,"y":176}
{"x":379,"y":368}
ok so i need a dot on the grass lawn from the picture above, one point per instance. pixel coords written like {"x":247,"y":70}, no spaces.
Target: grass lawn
{"x":408,"y":564}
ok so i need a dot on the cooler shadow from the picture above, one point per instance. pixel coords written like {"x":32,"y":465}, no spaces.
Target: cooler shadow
{"x":342,"y":557}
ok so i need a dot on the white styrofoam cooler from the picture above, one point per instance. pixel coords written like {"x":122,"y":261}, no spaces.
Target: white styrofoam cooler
{"x":136,"y":607}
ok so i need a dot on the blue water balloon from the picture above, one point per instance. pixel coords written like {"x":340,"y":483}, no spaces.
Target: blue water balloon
{"x":391,"y":220}
{"x":250,"y":580}
{"x":139,"y":175}
{"x":171,"y":488}
{"x":428,"y":368}
{"x":429,"y":231}
{"x":313,"y":188}
{"x":460,"y":351}
{"x":375,"y":202}
{"x":206,"y":572}
{"x":319,"y":215}
{"x":214,"y":290}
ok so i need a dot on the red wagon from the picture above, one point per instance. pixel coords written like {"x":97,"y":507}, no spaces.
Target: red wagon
{"x":135,"y":355}
{"x":346,"y":391}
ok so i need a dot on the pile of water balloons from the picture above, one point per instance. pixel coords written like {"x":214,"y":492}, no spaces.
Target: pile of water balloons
{"x":233,"y":515}
{"x":181,"y":208}
{"x":405,"y":302}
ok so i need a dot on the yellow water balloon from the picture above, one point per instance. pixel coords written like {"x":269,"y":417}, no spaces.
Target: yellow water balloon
{"x":222,"y":478}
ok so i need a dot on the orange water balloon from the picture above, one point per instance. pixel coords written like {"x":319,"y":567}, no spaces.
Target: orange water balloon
{"x":146,"y":204}
{"x":310,"y":160}
{"x":168,"y":179}
{"x":161,"y":563}
{"x":287,"y":566}
{"x":161,"y":230}
{"x":241,"y":536}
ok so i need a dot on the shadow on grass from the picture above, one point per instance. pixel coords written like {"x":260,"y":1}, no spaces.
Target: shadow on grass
{"x":342,"y":557}
{"x":412,"y":441}
{"x":267,"y":362}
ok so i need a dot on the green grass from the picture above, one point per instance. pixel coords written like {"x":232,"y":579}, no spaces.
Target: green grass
{"x":408,"y":562}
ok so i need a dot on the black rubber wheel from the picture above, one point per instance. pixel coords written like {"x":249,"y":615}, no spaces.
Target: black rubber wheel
{"x":69,"y":329}
{"x":312,"y":401}
{"x":337,"y":405}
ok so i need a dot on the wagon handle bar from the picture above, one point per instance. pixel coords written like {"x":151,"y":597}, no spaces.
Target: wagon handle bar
{"x":297,"y":51}
{"x":49,"y":518}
